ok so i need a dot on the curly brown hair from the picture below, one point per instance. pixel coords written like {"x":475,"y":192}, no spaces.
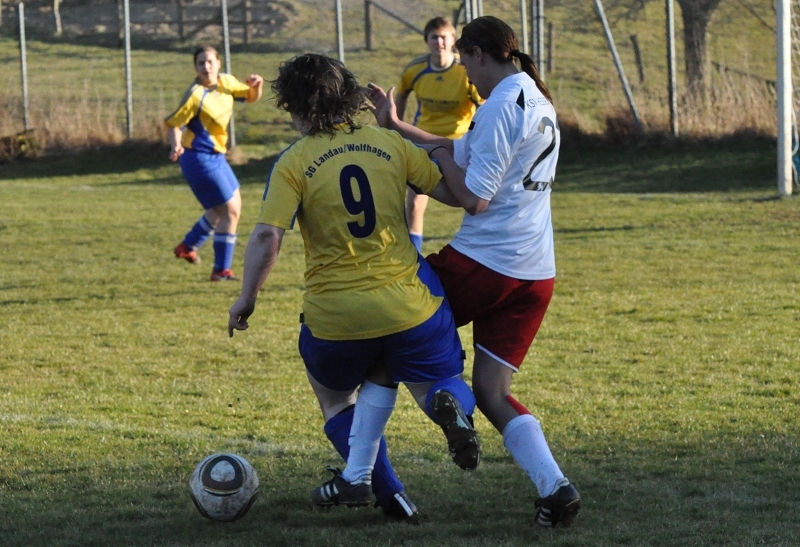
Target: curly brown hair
{"x":320,"y":91}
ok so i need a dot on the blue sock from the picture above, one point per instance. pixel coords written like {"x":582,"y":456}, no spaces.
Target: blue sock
{"x":458,"y":388}
{"x":199,"y":233}
{"x":224,"y":244}
{"x":416,"y":239}
{"x":385,"y":483}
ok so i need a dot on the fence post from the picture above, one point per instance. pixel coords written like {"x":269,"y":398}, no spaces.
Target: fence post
{"x":537,"y":35}
{"x":128,"y":78}
{"x":598,"y":6}
{"x":673,"y":95}
{"x":523,"y":16}
{"x":26,"y":117}
{"x":637,"y":56}
{"x":181,"y":30}
{"x":226,"y":40}
{"x":339,"y":32}
{"x":57,"y":15}
{"x":368,"y":25}
{"x":120,"y":23}
{"x":551,"y":38}
{"x":248,"y":19}
{"x":784,"y":89}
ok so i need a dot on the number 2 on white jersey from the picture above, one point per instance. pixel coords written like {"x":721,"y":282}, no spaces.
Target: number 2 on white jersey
{"x":534,"y":185}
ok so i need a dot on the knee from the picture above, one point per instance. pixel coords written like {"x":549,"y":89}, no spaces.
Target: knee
{"x":233,"y":210}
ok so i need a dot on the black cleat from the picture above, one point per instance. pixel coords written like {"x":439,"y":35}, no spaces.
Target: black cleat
{"x":559,"y":508}
{"x":462,"y":439}
{"x":402,"y":508}
{"x":338,"y":491}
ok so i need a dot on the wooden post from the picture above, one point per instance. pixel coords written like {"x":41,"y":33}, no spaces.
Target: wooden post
{"x":57,"y":15}
{"x":551,"y":38}
{"x":248,"y":19}
{"x":368,"y":25}
{"x":120,"y":23}
{"x":181,"y":29}
{"x":637,"y":55}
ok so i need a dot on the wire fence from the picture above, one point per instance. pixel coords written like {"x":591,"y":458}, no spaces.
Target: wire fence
{"x":576,"y":63}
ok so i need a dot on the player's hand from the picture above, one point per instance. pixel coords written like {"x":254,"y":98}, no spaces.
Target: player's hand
{"x":176,"y":153}
{"x":382,"y":107}
{"x":238,"y":315}
{"x":255,"y":80}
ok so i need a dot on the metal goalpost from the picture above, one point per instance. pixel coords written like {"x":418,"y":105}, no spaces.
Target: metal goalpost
{"x":786,"y":106}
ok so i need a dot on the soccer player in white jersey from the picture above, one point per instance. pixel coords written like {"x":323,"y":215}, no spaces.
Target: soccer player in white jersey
{"x":370,"y":298}
{"x":499,"y":269}
{"x":198,"y":137}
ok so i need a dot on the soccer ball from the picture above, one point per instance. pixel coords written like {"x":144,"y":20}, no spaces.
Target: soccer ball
{"x":224,"y":487}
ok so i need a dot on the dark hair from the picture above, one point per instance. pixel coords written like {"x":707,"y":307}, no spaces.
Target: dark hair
{"x":319,"y":90}
{"x":437,"y":23}
{"x":496,"y":39}
{"x":205,"y":49}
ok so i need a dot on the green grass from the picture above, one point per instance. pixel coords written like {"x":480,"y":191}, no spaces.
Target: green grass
{"x":665,"y":373}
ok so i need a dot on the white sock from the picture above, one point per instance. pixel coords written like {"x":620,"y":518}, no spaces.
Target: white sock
{"x":373,"y":408}
{"x":524,"y":439}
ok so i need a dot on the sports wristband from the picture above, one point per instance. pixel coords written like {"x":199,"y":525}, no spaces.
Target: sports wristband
{"x":435,"y":148}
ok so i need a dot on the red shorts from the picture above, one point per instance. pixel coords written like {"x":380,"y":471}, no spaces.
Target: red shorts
{"x":505,"y":312}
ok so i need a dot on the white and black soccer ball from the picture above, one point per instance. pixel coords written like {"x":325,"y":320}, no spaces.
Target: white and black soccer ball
{"x":224,"y":487}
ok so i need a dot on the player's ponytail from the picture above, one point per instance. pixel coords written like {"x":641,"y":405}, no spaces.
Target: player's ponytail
{"x":529,"y":67}
{"x":497,"y":40}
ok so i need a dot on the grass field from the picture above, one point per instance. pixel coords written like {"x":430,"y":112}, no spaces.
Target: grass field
{"x":665,"y":374}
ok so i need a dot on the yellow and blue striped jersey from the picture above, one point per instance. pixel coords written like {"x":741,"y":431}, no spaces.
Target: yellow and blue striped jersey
{"x":204,"y":114}
{"x":446,"y":101}
{"x":348,"y":194}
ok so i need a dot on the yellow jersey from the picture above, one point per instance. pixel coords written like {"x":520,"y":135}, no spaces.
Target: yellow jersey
{"x":347,"y":192}
{"x":446,"y":101}
{"x":204,"y":113}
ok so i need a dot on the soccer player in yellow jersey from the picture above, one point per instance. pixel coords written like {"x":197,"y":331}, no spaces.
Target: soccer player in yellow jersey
{"x":198,"y":137}
{"x":370,"y":298}
{"x":446,"y":101}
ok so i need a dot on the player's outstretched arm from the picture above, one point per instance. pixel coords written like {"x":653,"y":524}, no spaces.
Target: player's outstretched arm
{"x":259,"y":258}
{"x":256,"y":84}
{"x":385,"y":111}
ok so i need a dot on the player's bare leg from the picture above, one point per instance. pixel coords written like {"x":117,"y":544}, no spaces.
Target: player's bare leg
{"x":225,"y":221}
{"x":559,"y":501}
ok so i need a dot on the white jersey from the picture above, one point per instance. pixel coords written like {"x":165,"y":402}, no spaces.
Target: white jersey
{"x":510,"y":154}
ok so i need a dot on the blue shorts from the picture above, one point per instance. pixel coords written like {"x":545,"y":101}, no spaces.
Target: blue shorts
{"x":209,"y":176}
{"x":425,"y":353}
